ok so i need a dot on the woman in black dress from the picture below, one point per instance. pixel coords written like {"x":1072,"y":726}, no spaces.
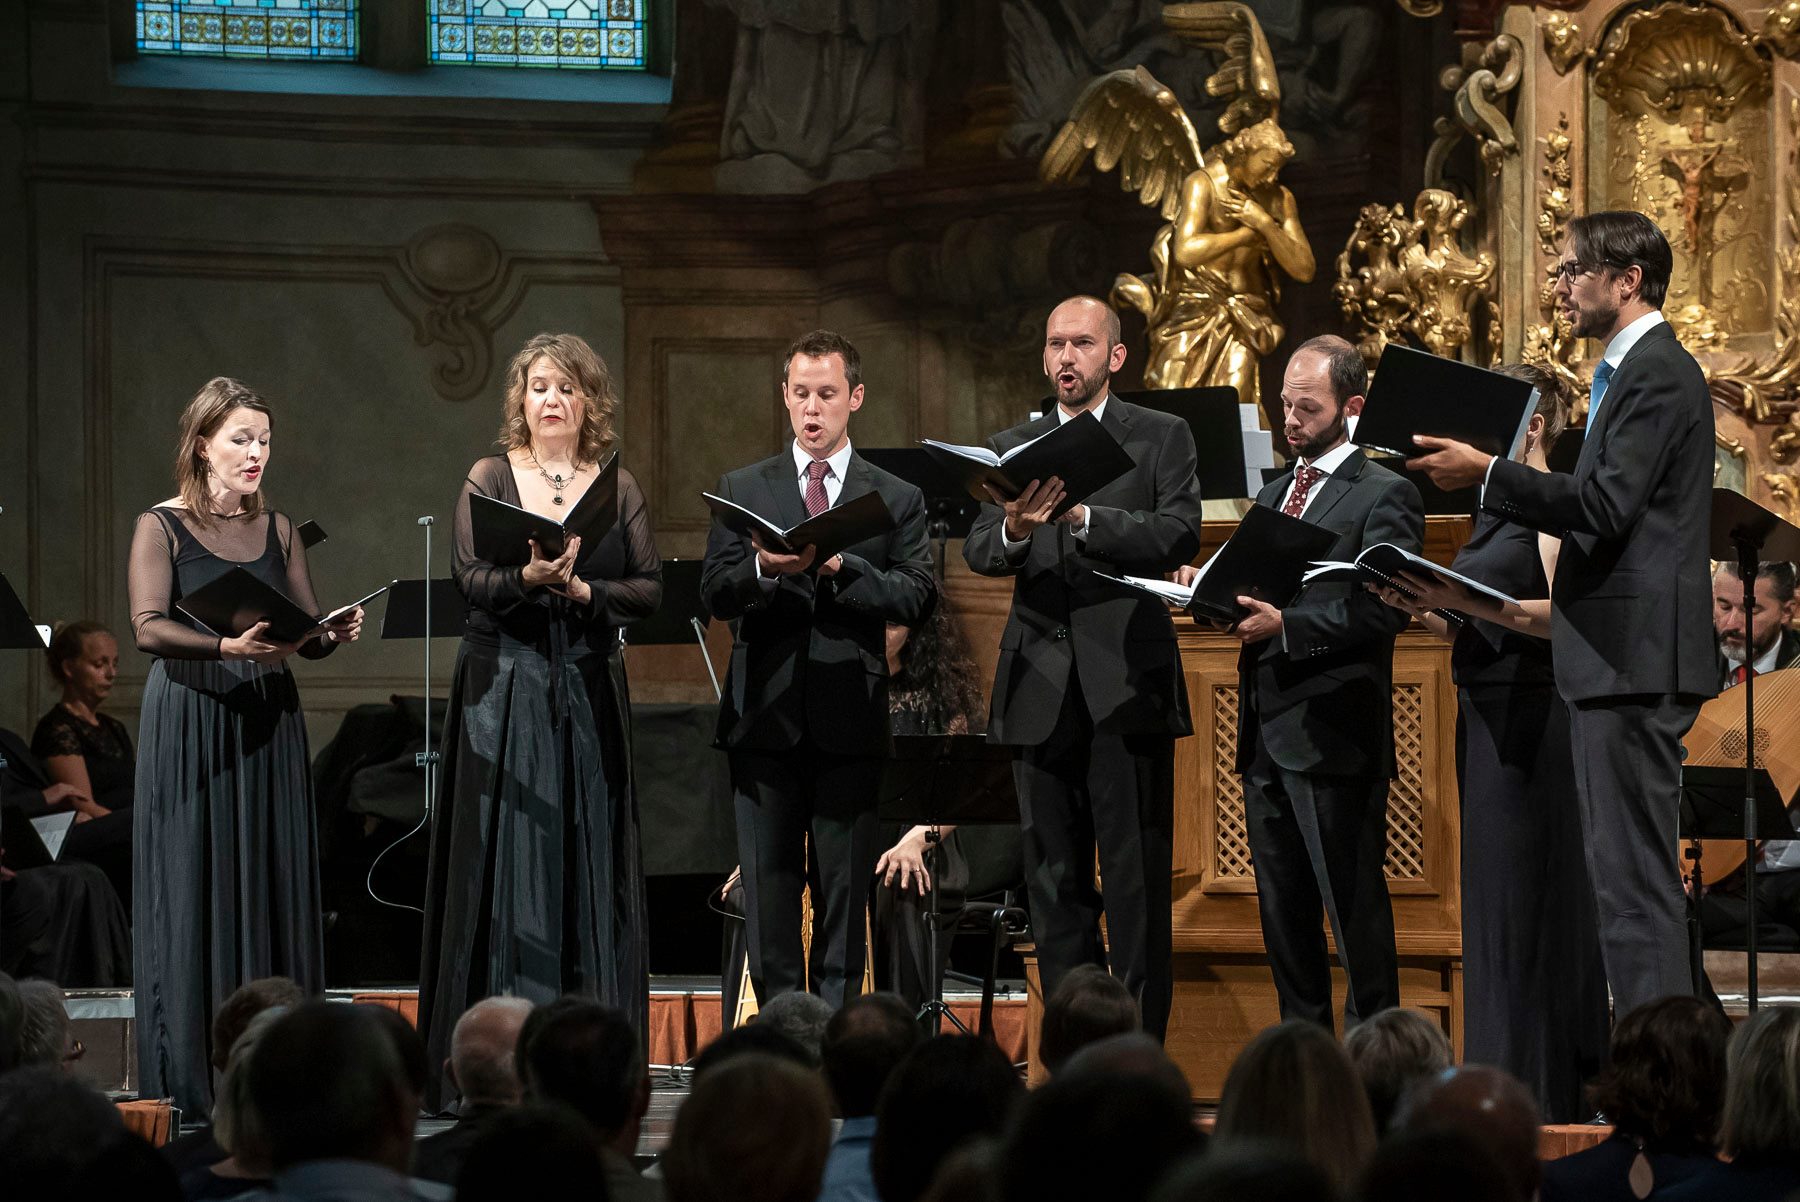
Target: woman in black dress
{"x":1534,"y":990}
{"x":227,"y":887}
{"x":536,"y":886}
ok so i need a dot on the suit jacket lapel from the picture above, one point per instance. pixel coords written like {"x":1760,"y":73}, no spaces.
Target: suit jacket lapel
{"x":784,"y":481}
{"x":1334,"y":488}
{"x":1650,"y":336}
{"x":858,"y":479}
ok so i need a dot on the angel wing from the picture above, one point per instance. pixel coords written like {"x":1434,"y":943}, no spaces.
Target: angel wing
{"x":1231,"y":30}
{"x":1129,"y":120}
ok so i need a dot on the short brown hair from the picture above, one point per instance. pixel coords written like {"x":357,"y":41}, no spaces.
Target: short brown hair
{"x":576,"y":359}
{"x":67,"y":643}
{"x":1554,"y":402}
{"x":1294,"y":1085}
{"x":756,"y":1128}
{"x":1344,"y":365}
{"x":245,"y":1003}
{"x":1621,"y":239}
{"x":1391,"y":1050}
{"x":217,"y":400}
{"x":818,"y":344}
{"x":1664,"y":1081}
{"x":1088,"y":1005}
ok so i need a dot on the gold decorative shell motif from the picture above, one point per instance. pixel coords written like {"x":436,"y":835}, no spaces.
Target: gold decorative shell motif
{"x":1663,"y":61}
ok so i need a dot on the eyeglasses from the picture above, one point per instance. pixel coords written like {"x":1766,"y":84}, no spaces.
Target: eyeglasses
{"x":1573,"y":269}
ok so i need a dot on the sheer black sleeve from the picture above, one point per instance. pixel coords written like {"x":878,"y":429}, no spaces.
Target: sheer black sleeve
{"x":487,"y":586}
{"x":299,"y":585}
{"x":56,"y":735}
{"x":151,"y":584}
{"x":637,"y":591}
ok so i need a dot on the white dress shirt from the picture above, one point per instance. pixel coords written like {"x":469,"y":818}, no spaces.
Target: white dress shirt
{"x":1063,"y":417}
{"x":836,"y":465}
{"x":1328,"y":463}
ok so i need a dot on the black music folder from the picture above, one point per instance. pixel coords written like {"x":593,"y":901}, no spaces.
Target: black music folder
{"x":841,"y":526}
{"x":404,"y":615}
{"x":1384,"y":561}
{"x":1265,"y":557}
{"x":1417,"y":393}
{"x":1080,"y":452}
{"x":235,"y":601}
{"x":17,"y":631}
{"x":503,"y":533}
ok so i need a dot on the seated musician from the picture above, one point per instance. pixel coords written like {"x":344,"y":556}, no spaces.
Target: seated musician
{"x":1777,"y":646}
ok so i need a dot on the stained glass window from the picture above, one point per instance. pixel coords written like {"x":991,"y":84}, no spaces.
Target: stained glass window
{"x":266,"y":29}
{"x":537,"y":33}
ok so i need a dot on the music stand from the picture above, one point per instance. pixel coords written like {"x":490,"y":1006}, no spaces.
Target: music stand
{"x":681,"y":617}
{"x":1712,"y":807}
{"x":944,"y":780}
{"x":1745,"y":533}
{"x":950,"y":511}
{"x":1214,"y":417}
{"x":17,"y":631}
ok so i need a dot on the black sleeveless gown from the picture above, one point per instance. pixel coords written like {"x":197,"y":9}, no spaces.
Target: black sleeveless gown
{"x":227,"y":884}
{"x":1534,"y":988}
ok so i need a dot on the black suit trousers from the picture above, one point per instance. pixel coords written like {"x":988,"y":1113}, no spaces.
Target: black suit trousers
{"x":780,"y":799}
{"x":1320,"y":840}
{"x":1080,"y":791}
{"x":1628,"y":780}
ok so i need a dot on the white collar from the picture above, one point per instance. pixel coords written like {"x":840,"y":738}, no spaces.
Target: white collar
{"x":839,"y":462}
{"x":1063,"y":415}
{"x":1766,"y":663}
{"x":1333,"y":459}
{"x":1625,"y":339}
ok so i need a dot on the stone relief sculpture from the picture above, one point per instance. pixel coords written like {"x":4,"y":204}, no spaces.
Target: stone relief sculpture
{"x":820,"y":92}
{"x":1233,"y":228}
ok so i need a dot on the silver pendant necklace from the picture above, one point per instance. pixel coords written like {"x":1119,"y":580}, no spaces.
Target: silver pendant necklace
{"x":558,"y":482}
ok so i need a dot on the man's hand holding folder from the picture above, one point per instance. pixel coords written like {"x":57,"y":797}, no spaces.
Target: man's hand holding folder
{"x":1262,"y":622}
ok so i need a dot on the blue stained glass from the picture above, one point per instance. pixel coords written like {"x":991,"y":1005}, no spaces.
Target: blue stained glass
{"x":588,"y":34}
{"x":318,"y":30}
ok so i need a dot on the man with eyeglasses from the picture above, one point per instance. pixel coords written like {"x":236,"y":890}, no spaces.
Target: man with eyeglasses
{"x":1631,"y":602}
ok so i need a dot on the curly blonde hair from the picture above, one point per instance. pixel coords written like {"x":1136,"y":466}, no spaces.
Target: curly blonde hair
{"x":217,"y":400}
{"x":577,"y":360}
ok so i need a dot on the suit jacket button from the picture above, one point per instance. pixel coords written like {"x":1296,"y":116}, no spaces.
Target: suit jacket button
{"x":1061,"y":632}
{"x":997,"y":562}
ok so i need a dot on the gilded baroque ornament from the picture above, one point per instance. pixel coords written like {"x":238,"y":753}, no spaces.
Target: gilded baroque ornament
{"x":1487,"y":73}
{"x":1564,"y":43}
{"x":1781,"y":29}
{"x":1552,"y":342}
{"x":1416,"y":283}
{"x":1232,"y":228}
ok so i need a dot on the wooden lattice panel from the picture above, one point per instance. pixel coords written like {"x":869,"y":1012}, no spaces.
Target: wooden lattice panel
{"x":1406,"y":795}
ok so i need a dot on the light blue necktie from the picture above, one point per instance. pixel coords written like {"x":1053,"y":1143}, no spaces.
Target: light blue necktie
{"x":1597,"y":391}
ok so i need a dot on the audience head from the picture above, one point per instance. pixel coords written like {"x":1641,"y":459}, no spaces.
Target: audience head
{"x":948,"y":1090}
{"x":969,"y":1174}
{"x":1774,"y":608}
{"x":408,"y":1044}
{"x":1492,"y":1108}
{"x":225,"y":433}
{"x":751,"y":1038}
{"x":1439,"y":1165}
{"x":756,"y":1128}
{"x":551,"y":1144}
{"x":245,"y":1003}
{"x":234,"y":1116}
{"x":1664,"y":1081}
{"x":44,"y":1036}
{"x":483,"y":1047}
{"x":12,"y":1023}
{"x":84,"y":659}
{"x":534,"y":1022}
{"x":1762,"y":1090}
{"x":328,"y":1082}
{"x":1392,"y":1050}
{"x":590,"y":1060}
{"x":801,"y":1017}
{"x":1246,"y":1173}
{"x":60,"y":1138}
{"x":1089,"y":1004}
{"x":1109,"y":1125}
{"x":864,"y":1042}
{"x":1294,"y":1086}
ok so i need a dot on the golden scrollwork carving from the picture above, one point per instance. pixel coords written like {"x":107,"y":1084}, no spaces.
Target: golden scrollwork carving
{"x":1416,"y":282}
{"x":1564,"y":43}
{"x":1423,"y":9}
{"x":1552,"y":342}
{"x":1487,"y":73}
{"x":1781,"y":29}
{"x":1669,"y":59}
{"x":1765,"y":379}
{"x":1232,"y":227}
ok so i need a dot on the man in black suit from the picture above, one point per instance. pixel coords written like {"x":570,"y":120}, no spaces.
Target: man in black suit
{"x":804,"y":718}
{"x":1629,"y":605}
{"x":1772,"y":618}
{"x":1088,"y":689}
{"x":1315,"y":708}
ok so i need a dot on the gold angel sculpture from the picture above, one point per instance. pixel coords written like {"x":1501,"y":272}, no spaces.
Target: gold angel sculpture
{"x":1210,"y":298}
